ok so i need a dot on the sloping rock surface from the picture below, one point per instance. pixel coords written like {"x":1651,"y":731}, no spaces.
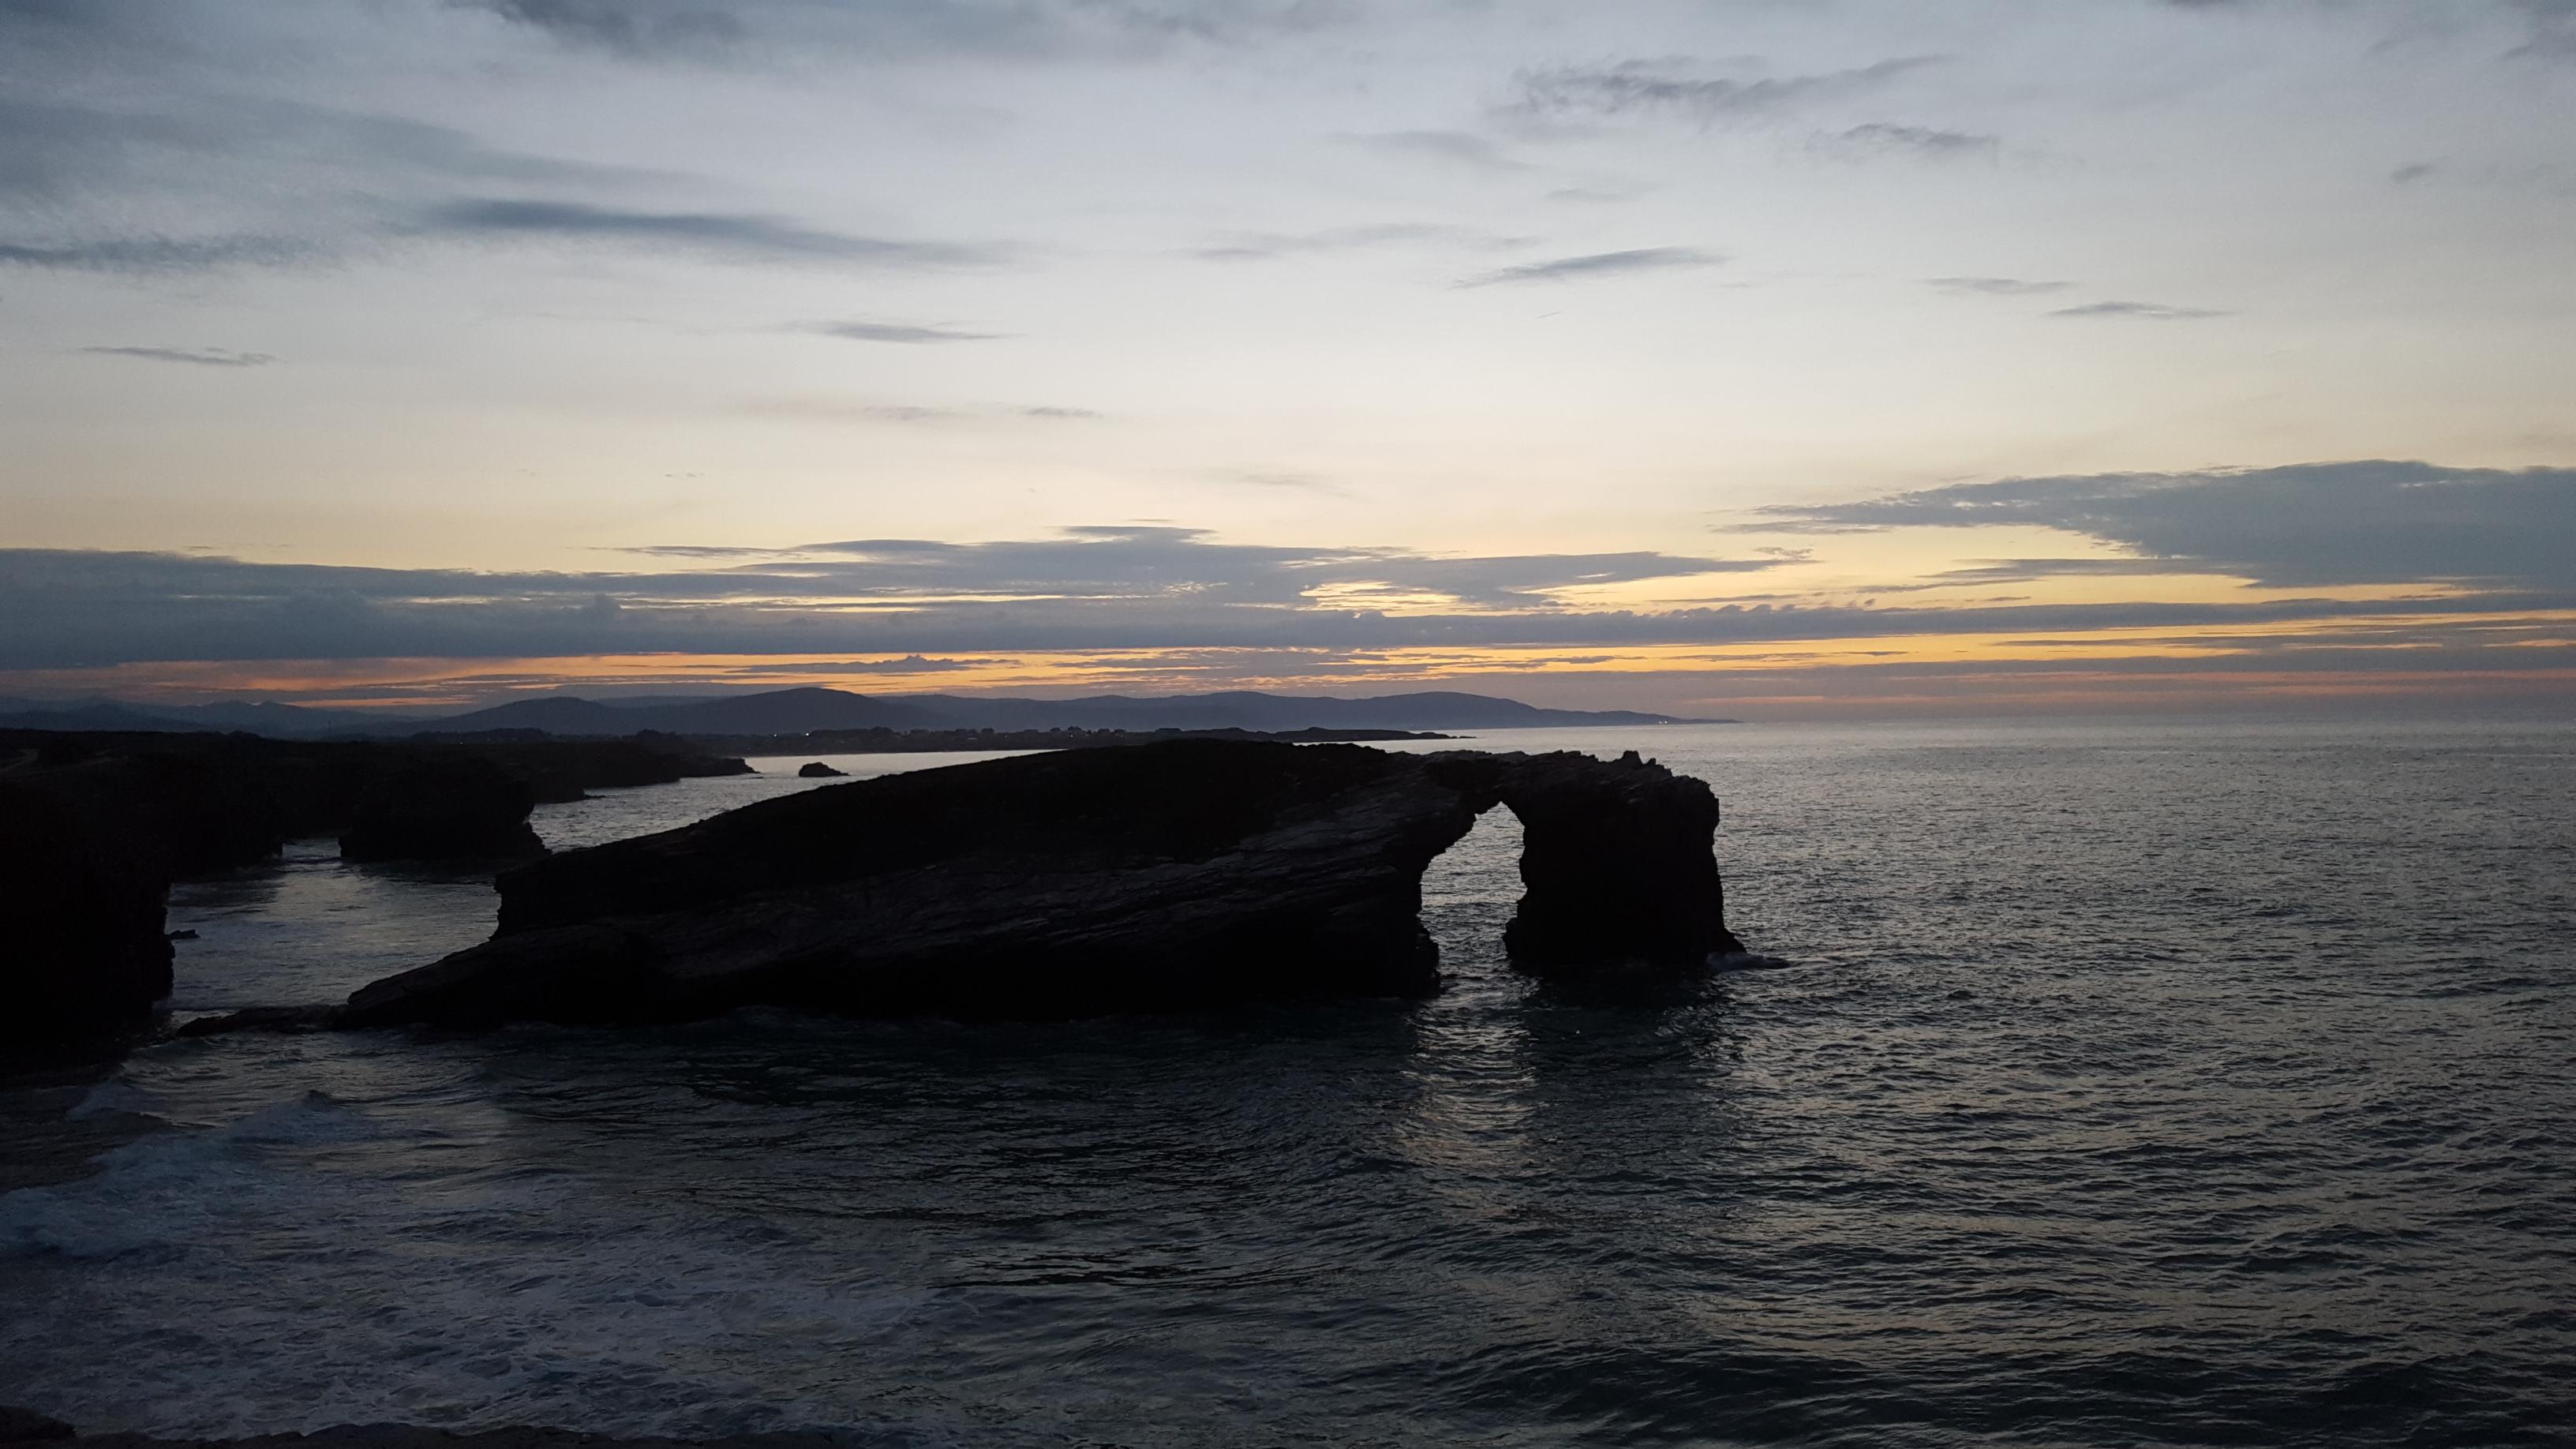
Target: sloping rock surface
{"x":1175,"y":875}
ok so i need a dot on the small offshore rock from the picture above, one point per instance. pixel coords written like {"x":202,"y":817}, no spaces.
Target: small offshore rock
{"x":820,"y":771}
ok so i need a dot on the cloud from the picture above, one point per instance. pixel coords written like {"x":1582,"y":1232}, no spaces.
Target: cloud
{"x":908,"y":664}
{"x":1267,"y":246}
{"x":1994,"y":286}
{"x":735,"y":236}
{"x":1599,"y":193}
{"x":894,"y":332}
{"x":2302,"y":526}
{"x":1258,"y":478}
{"x":1106,"y":588}
{"x":1597,"y":264}
{"x":631,"y":26}
{"x":154,"y":255}
{"x":1661,"y":87}
{"x":696,"y":30}
{"x":1113,"y":585}
{"x":2553,"y":29}
{"x":1885,"y":138}
{"x":199,"y":356}
{"x":1459,"y":148}
{"x":844,"y":410}
{"x":197,"y":144}
{"x":2140,"y":311}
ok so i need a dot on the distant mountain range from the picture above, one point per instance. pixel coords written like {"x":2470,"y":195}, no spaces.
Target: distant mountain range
{"x":800,"y":711}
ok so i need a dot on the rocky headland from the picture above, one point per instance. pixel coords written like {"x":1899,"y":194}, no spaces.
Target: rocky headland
{"x":95,"y":827}
{"x":1183,"y":874}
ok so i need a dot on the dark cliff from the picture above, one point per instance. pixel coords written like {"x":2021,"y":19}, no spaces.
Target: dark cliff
{"x":95,"y":827}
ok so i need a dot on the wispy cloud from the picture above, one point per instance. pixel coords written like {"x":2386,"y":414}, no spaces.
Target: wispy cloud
{"x":1597,"y":265}
{"x":733,"y":235}
{"x":1994,"y":286}
{"x":908,"y":664}
{"x":1458,"y":148}
{"x":1886,"y":138}
{"x":197,"y":356}
{"x":2139,"y":311}
{"x":1265,"y":246}
{"x":1106,"y":587}
{"x":148,"y":255}
{"x":1276,"y":478}
{"x":900,"y":332}
{"x":2326,"y":523}
{"x":843,"y":410}
{"x":702,"y":30}
{"x":2553,"y":29}
{"x":1666,"y":87}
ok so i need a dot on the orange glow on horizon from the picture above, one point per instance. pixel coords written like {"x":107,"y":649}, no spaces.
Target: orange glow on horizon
{"x":2069,"y":659}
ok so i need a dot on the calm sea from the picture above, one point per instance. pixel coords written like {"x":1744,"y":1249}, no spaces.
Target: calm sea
{"x":2148,"y":1084}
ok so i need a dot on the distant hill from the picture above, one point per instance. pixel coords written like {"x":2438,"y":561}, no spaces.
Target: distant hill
{"x":1252,"y":710}
{"x":776,"y":712}
{"x":805,"y":710}
{"x":278,"y":721}
{"x":802,"y":711}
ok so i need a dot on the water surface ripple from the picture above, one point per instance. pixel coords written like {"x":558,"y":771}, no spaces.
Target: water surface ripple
{"x":2153,"y":1084}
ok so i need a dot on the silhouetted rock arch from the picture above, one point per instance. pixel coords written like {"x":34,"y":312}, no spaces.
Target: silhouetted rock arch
{"x":1184,"y":874}
{"x":1616,"y":859}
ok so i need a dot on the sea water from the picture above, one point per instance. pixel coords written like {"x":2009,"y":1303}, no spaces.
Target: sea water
{"x":2148,"y":1083}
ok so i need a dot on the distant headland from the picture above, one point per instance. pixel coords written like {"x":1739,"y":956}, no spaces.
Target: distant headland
{"x":813,"y":710}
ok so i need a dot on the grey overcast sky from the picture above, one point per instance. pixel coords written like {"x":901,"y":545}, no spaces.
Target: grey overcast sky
{"x":1785,"y":356}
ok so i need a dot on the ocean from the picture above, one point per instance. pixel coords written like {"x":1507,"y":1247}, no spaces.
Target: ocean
{"x":2149,"y":1083}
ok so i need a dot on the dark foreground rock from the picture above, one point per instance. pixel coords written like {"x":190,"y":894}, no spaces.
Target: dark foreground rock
{"x":443,"y":807}
{"x":82,"y":952}
{"x":1177,"y":875}
{"x":95,"y":827}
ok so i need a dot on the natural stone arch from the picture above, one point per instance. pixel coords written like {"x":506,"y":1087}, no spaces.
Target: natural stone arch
{"x":1616,"y":859}
{"x":1192,"y":873}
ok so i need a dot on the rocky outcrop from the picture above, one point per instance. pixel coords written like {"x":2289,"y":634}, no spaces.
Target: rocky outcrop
{"x":442,"y":807}
{"x":1616,"y":860}
{"x":95,"y":827}
{"x":1193,"y":873}
{"x":81,"y":946}
{"x":817,"y":770}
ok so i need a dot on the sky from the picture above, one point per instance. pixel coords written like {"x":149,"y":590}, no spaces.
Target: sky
{"x":1773,"y":359}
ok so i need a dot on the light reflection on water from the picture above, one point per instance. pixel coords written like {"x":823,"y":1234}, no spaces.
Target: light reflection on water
{"x":2140,"y":1083}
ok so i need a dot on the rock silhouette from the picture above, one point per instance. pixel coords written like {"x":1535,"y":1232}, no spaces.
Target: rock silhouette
{"x":1186,"y":874}
{"x":817,"y":770}
{"x":95,"y":827}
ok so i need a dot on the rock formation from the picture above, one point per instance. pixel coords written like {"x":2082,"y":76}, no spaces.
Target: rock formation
{"x":1185,"y":874}
{"x":95,"y":827}
{"x":442,"y":807}
{"x":817,"y":770}
{"x":81,"y":946}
